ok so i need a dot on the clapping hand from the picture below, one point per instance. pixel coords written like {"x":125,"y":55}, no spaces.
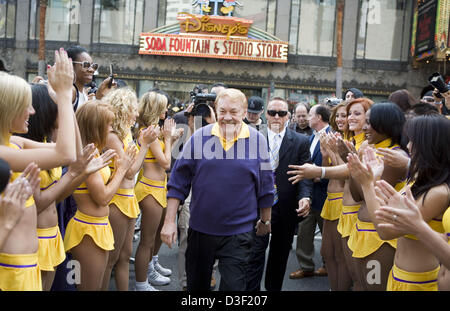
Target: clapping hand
{"x":393,"y":158}
{"x":12,"y":202}
{"x":399,"y":212}
{"x":367,"y":171}
{"x":127,"y":159}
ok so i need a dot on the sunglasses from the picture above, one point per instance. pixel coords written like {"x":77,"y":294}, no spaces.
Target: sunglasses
{"x":281,"y":113}
{"x":87,"y":65}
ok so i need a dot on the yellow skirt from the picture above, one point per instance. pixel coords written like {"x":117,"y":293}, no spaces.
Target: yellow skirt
{"x":364,"y":239}
{"x":126,"y":202}
{"x":98,"y":228}
{"x":20,"y":272}
{"x":51,"y":248}
{"x":347,"y":219}
{"x":155,"y":188}
{"x":332,"y":208}
{"x":401,"y":280}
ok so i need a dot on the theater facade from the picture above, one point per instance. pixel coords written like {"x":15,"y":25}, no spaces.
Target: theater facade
{"x":263,"y":47}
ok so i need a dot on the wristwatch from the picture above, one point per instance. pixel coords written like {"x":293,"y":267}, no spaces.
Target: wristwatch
{"x":267,"y":222}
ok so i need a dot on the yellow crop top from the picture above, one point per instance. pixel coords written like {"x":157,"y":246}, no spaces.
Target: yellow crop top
{"x":105,"y":172}
{"x":149,"y":157}
{"x":15,"y":175}
{"x":435,"y":224}
{"x":446,"y":223}
{"x":48,"y":180}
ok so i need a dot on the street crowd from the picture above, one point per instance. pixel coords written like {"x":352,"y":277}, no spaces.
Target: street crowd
{"x":231,"y":180}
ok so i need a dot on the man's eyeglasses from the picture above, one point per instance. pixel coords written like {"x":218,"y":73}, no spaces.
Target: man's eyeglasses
{"x":87,"y":65}
{"x":281,"y":113}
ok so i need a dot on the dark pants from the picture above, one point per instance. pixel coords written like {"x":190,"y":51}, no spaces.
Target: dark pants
{"x":233,"y":253}
{"x":283,"y":229}
{"x":255,"y":268}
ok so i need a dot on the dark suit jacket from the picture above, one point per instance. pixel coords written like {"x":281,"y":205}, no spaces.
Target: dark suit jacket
{"x":294,"y":150}
{"x":319,"y":191}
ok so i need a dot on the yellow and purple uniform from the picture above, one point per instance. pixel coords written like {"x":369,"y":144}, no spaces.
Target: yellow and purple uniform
{"x":347,"y":218}
{"x":125,"y":199}
{"x":51,"y":246}
{"x":364,"y":239}
{"x":20,"y":272}
{"x":98,"y":228}
{"x":401,"y":280}
{"x":332,"y":208}
{"x":155,"y":188}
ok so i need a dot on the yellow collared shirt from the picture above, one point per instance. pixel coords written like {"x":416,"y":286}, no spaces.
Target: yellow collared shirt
{"x":227,"y":144}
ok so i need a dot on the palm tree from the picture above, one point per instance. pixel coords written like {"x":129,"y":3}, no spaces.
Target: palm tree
{"x":41,"y":63}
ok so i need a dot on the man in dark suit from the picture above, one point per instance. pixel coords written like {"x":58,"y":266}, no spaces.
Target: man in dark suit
{"x":285,"y":147}
{"x":318,"y":118}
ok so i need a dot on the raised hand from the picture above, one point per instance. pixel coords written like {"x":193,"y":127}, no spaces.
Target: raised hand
{"x":60,"y":75}
{"x":168,"y":128}
{"x":401,"y":213}
{"x":12,"y":202}
{"x":149,"y":135}
{"x":77,"y":168}
{"x":128,"y":158}
{"x":393,"y":158}
{"x":95,"y":164}
{"x":344,"y":148}
{"x":375,"y":163}
{"x":31,"y":173}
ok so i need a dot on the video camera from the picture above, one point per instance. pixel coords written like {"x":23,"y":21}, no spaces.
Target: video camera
{"x":332,"y":102}
{"x":201,"y":107}
{"x":438,"y":82}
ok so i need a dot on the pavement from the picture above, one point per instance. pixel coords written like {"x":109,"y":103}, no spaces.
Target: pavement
{"x":168,"y":259}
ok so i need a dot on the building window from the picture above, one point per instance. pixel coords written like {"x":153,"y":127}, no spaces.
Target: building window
{"x":7,"y":18}
{"x":62,"y":20}
{"x":118,"y":21}
{"x":383,"y":28}
{"x":312,"y":29}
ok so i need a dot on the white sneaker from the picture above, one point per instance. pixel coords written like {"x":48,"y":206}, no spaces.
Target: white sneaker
{"x":146,"y":288}
{"x":157,"y":279}
{"x":161,"y":270}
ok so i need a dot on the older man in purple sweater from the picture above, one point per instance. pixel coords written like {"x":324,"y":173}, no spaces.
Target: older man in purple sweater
{"x":227,"y":165}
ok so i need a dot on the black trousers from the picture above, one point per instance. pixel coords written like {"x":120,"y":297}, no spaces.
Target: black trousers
{"x":283,"y":229}
{"x":255,"y":268}
{"x":233,"y":253}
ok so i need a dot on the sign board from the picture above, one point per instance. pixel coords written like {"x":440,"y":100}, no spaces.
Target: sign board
{"x":214,"y":36}
{"x":213,"y":47}
{"x":426,"y":26}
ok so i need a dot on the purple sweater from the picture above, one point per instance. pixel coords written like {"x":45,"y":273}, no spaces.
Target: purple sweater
{"x":227,"y":186}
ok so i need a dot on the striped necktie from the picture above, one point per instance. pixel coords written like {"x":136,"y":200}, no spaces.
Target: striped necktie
{"x":274,"y":158}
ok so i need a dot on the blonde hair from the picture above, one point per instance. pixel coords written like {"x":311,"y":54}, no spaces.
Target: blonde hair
{"x":15,"y":97}
{"x":234,"y":95}
{"x":151,"y":106}
{"x":123,"y":102}
{"x":93,"y":119}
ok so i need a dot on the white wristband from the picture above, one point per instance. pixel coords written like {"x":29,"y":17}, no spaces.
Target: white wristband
{"x":323,"y":173}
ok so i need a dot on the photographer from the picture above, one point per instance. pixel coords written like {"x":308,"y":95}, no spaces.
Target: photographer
{"x":197,"y":115}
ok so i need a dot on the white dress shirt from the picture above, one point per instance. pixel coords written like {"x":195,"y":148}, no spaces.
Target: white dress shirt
{"x":316,"y":139}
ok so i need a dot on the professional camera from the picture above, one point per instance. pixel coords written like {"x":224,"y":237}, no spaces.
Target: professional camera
{"x":332,"y":102}
{"x":93,"y":87}
{"x":201,"y":107}
{"x":438,"y":82}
